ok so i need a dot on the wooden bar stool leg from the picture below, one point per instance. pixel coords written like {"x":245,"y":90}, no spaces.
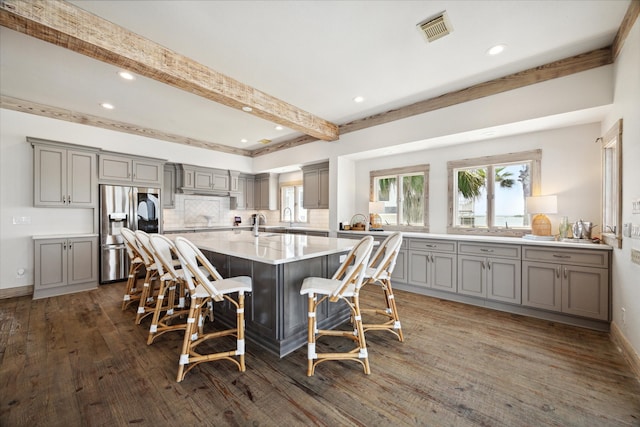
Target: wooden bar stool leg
{"x":190,"y":334}
{"x":391,"y":304}
{"x":311,"y":335}
{"x":240,"y":334}
{"x":363,"y":354}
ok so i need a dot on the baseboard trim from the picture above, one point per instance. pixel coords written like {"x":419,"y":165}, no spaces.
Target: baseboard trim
{"x":627,"y":350}
{"x":18,"y":291}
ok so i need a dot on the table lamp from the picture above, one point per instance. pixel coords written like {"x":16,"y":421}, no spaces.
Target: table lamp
{"x":541,"y":205}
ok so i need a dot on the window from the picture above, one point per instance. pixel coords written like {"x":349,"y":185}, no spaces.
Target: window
{"x":612,"y":186}
{"x":291,"y":209}
{"x":404,"y":192}
{"x":488,"y":193}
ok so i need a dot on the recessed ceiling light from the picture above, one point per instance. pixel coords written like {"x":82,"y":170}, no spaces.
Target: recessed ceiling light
{"x":126,"y":75}
{"x":358,"y":99}
{"x":497,"y":49}
{"x":244,"y":140}
{"x":279,"y":127}
{"x":107,"y":106}
{"x":247,"y":109}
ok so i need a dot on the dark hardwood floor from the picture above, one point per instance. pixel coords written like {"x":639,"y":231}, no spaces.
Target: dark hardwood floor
{"x":78,"y":360}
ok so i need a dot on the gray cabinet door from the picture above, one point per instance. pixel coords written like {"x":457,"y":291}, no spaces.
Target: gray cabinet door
{"x":241,"y":194}
{"x":203,"y":180}
{"x":323,"y":188}
{"x":221,"y":181}
{"x":399,"y":273}
{"x":147,"y":172}
{"x":169,"y":187}
{"x":471,"y":275}
{"x":585,"y":291}
{"x":115,"y":168}
{"x":82,"y":260}
{"x":504,"y":280}
{"x":250,"y":202}
{"x":81,"y":183}
{"x":419,"y":268}
{"x":444,"y":271}
{"x":50,"y":263}
{"x":311,"y":189}
{"x":542,"y":285}
{"x":50,"y":176}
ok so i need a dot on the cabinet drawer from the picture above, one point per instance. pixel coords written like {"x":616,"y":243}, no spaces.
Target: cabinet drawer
{"x":433,"y":245}
{"x":503,"y":251}
{"x":587,"y":258}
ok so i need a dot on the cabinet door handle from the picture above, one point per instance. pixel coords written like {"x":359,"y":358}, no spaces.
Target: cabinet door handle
{"x":489,"y":265}
{"x":565,"y":272}
{"x":429,"y":246}
{"x":69,"y":199}
{"x":64,"y":200}
{"x":558,"y":272}
{"x":483,"y":265}
{"x":432,"y":258}
{"x":69,"y":245}
{"x":562,"y":256}
{"x":486,"y":250}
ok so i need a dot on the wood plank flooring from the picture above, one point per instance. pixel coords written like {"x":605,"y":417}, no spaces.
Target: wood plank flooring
{"x":78,"y":360}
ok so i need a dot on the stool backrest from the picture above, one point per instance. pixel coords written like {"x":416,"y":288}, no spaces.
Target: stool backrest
{"x":145,"y":247}
{"x":164,"y":249}
{"x":131,"y":243}
{"x":384,"y":259}
{"x":352,"y":270}
{"x":190,"y":256}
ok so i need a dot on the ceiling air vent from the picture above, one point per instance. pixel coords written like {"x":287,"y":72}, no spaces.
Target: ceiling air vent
{"x":264,"y":141}
{"x":436,"y":27}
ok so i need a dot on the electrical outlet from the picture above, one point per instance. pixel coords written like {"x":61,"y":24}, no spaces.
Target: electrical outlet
{"x":635,"y":256}
{"x":624,"y":316}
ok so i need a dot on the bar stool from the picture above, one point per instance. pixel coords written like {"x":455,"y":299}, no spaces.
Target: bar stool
{"x":147,"y":300}
{"x":170,"y":298}
{"x":378,"y":272}
{"x":202,"y":292}
{"x":343,"y":286}
{"x":136,"y":263}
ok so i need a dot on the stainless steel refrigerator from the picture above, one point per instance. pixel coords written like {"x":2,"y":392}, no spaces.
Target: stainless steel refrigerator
{"x":136,"y":208}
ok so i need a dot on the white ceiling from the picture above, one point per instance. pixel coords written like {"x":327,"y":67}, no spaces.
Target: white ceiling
{"x":316,"y":55}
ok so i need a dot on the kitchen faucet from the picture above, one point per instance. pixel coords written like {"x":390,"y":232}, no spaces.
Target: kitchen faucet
{"x":256,"y":225}
{"x":290,"y":215}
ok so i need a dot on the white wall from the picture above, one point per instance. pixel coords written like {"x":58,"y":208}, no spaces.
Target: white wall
{"x":576,"y":182}
{"x":626,"y":275}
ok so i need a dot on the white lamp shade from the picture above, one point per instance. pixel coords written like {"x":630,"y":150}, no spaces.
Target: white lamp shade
{"x":376,"y":207}
{"x":542,"y":204}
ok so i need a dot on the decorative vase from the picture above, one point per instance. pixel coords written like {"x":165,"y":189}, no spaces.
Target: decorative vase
{"x":564,"y":228}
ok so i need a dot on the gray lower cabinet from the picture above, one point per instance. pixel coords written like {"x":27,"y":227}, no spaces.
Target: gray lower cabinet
{"x":432,"y":264}
{"x":490,"y":271}
{"x":65,"y":265}
{"x":571,"y":282}
{"x":63,"y":177}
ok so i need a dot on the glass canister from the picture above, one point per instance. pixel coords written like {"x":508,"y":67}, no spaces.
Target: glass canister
{"x":564,"y":228}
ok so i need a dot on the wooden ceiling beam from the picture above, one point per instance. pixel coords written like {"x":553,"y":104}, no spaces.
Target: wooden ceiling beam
{"x":68,"y":26}
{"x":21,"y":105}
{"x":553,"y":70}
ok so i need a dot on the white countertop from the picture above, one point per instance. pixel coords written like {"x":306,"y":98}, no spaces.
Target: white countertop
{"x":63,"y":236}
{"x":487,"y":239}
{"x":268,"y":248}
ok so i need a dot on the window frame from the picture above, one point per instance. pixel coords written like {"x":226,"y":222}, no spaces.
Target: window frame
{"x":399,"y":173}
{"x":297,"y":185}
{"x":611,"y":234}
{"x":533,"y":156}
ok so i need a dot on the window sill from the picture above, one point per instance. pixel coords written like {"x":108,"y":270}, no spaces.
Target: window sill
{"x":612,"y":240}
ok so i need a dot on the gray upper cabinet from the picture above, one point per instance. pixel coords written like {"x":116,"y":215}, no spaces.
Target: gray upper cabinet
{"x":169,"y":186}
{"x":316,"y":186}
{"x":490,"y":271}
{"x":125,"y":169}
{"x":64,"y":177}
{"x":432,"y":264}
{"x":568,"y":281}
{"x":242,"y":193}
{"x":266,"y":192}
{"x":195,"y":179}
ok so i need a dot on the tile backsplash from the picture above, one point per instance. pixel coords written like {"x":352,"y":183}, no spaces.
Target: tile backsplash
{"x":211,"y":211}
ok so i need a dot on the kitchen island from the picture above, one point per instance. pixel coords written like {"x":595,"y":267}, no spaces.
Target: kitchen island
{"x":275,"y":312}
